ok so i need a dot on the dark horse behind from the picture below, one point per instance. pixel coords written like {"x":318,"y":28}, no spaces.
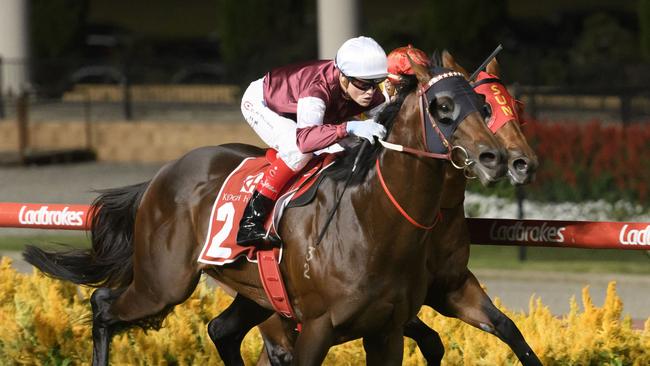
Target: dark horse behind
{"x":146,"y":238}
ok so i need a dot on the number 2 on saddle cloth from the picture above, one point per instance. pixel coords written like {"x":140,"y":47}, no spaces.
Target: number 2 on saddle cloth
{"x":221,"y":247}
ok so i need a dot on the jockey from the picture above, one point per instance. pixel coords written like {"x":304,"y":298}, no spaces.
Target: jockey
{"x":302,"y":108}
{"x":399,"y":66}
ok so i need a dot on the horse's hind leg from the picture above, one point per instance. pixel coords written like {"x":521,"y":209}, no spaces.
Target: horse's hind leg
{"x":228,"y":330}
{"x":106,"y":321}
{"x":103,"y":324}
{"x":472,"y":305}
{"x":116,"y":310}
{"x":428,"y":341}
{"x":165,"y":273}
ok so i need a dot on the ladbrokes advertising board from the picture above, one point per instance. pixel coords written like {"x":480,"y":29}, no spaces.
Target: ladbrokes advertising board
{"x":44,"y":216}
{"x":553,"y":233}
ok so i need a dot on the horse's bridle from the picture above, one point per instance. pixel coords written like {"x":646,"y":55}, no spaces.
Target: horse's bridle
{"x":425,"y":114}
{"x":424,"y":102}
{"x":503,"y":105}
{"x":482,"y":86}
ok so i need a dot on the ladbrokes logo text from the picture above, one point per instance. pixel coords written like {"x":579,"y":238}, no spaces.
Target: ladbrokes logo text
{"x":527,"y":233}
{"x":44,"y":216}
{"x":634,"y":236}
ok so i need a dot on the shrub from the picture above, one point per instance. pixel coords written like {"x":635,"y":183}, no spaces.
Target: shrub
{"x":44,"y":323}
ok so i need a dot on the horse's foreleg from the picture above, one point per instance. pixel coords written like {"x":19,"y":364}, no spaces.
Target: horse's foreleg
{"x":314,"y":341}
{"x":472,"y":305}
{"x":428,"y":340}
{"x":279,"y":335}
{"x":384,"y":348}
{"x":228,"y":330}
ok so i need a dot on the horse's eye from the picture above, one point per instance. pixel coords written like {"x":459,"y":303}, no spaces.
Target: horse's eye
{"x":443,"y":109}
{"x":486,"y":111}
{"x":445,"y":106}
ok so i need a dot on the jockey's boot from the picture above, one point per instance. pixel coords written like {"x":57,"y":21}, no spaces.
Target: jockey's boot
{"x":251,"y":227}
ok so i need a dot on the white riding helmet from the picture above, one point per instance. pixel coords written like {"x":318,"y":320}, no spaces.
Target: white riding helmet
{"x":362,"y":58}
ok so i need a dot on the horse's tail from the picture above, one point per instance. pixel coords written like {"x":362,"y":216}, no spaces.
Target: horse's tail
{"x":109,"y":262}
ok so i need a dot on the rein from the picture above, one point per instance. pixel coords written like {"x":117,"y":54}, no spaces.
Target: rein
{"x":424,"y":106}
{"x":426,"y":154}
{"x":399,"y":207}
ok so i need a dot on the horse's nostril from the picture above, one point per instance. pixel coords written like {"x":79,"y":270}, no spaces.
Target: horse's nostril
{"x":489,"y":158}
{"x":520,"y":165}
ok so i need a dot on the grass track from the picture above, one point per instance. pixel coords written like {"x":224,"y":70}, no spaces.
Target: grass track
{"x":561,"y":259}
{"x":482,"y":256}
{"x":16,"y":243}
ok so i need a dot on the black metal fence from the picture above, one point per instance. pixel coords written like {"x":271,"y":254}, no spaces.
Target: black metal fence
{"x":178,"y":89}
{"x":85,"y":89}
{"x":616,"y":104}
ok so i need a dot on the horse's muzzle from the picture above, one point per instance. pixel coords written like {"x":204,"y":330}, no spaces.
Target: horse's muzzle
{"x":490,"y":165}
{"x":521,"y":168}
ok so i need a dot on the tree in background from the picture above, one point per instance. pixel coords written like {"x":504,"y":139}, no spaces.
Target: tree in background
{"x":56,"y":31}
{"x":257,"y":36}
{"x":469,"y":28}
{"x":56,"y":27}
{"x":602,"y":49}
{"x":644,"y":28}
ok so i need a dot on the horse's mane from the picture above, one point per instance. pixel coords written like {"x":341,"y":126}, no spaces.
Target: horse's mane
{"x":436,"y":59}
{"x":340,"y":170}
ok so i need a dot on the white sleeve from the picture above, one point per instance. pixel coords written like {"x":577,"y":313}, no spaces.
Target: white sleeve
{"x":310,"y":112}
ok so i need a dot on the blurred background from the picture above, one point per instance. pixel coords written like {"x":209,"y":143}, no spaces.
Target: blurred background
{"x":128,"y":81}
{"x":596,"y":44}
{"x":50,"y":47}
{"x":91,"y":78}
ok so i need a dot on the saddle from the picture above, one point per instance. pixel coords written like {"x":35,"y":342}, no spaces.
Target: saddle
{"x":221,"y":246}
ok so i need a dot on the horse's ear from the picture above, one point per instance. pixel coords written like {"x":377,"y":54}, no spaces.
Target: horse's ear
{"x":449,"y":62}
{"x":493,"y":68}
{"x":421,"y":72}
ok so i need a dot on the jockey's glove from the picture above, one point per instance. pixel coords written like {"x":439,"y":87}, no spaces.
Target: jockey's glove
{"x":367,"y":129}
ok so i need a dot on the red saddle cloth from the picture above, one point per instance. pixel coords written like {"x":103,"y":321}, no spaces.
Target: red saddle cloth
{"x":220,"y":244}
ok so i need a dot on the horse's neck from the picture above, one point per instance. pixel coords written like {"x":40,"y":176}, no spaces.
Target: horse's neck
{"x":453,"y":188}
{"x":415,"y":184}
{"x":448,"y":247}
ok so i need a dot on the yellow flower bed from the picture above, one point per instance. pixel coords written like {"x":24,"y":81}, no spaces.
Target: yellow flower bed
{"x":45,"y":322}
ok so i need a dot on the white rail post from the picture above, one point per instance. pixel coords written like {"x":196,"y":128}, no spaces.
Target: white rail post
{"x":338,"y":20}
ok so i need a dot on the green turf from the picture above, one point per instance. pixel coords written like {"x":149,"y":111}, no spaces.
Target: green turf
{"x":482,"y":256}
{"x":561,"y":259}
{"x":8,"y":243}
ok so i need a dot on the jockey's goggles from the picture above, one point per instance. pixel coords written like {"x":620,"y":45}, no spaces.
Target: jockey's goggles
{"x":365,"y":84}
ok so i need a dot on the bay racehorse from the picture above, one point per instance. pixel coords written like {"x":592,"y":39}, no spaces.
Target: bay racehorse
{"x":453,"y":289}
{"x":366,"y":279}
